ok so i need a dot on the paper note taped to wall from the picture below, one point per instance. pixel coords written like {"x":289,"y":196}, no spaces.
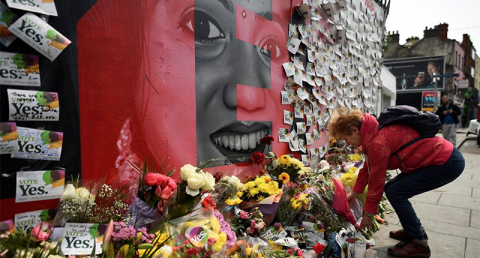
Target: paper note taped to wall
{"x":28,"y":105}
{"x":40,"y":35}
{"x":7,"y":17}
{"x":39,"y":185}
{"x":19,"y":69}
{"x":37,"y":6}
{"x":38,"y":144}
{"x":8,"y":138}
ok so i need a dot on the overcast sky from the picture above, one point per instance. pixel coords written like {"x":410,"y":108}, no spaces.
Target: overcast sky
{"x":410,"y":17}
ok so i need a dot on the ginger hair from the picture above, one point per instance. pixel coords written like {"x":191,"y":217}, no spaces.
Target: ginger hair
{"x":341,"y":121}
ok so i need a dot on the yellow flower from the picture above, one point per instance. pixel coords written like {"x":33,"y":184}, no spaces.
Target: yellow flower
{"x":348,"y":179}
{"x":352,"y":170}
{"x":233,"y":201}
{"x":239,"y":194}
{"x":221,"y":240}
{"x":263,"y":188}
{"x":355,"y":157}
{"x":260,"y":198}
{"x":284,"y":177}
{"x":274,"y":246}
{"x":215,"y":225}
{"x":253,"y":192}
{"x":284,"y":160}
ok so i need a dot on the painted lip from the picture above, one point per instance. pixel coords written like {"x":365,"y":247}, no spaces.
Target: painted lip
{"x":240,"y":140}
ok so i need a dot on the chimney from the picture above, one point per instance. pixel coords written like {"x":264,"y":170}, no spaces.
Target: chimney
{"x":411,"y":41}
{"x":430,"y":33}
{"x":442,"y":29}
{"x":395,"y":37}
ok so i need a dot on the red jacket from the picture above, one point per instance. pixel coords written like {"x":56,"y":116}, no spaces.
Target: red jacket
{"x":378,"y":147}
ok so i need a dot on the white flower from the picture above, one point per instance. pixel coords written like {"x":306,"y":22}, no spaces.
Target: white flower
{"x":275,"y":164}
{"x":83,"y":193}
{"x":196,"y":180}
{"x":323,"y":164}
{"x":68,"y":193}
{"x":192,"y":192}
{"x":186,"y":171}
{"x":209,"y":182}
{"x":236,"y":182}
{"x":166,"y":251}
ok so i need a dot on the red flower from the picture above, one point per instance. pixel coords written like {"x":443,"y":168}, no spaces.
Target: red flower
{"x":172,"y":184}
{"x":257,"y":157}
{"x":318,"y":248}
{"x":151,"y":179}
{"x":162,"y":180}
{"x":192,"y":251}
{"x":268,"y":139}
{"x":208,"y":202}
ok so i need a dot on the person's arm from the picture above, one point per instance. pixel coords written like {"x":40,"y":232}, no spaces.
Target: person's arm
{"x":362,"y":178}
{"x":456,"y":111}
{"x":380,"y":155}
{"x":439,"y":111}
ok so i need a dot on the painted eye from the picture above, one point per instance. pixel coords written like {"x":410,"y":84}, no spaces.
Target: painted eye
{"x":270,"y":47}
{"x":203,"y":26}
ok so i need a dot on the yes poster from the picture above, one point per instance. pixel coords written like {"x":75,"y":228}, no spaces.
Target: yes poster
{"x":8,"y":138}
{"x":39,"y":35}
{"x":79,"y":238}
{"x":19,"y":69}
{"x":26,"y":105}
{"x":7,"y":17}
{"x":37,"y":6}
{"x":28,"y":220}
{"x":38,"y":144}
{"x":39,"y":185}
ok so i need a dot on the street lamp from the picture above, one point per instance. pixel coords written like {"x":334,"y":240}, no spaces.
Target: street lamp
{"x":435,"y":76}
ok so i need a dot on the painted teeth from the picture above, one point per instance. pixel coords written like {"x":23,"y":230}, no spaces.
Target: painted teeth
{"x":240,"y":141}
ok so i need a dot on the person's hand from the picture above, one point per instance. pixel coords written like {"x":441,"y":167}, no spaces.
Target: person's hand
{"x":450,"y":111}
{"x":352,"y":196}
{"x":419,"y":81}
{"x":367,"y":222}
{"x":445,"y":112}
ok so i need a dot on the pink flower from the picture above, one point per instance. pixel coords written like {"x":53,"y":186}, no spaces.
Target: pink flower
{"x":243,"y":215}
{"x":162,"y":180}
{"x":172,"y":184}
{"x":166,"y":193}
{"x":151,"y":179}
{"x":38,"y":234}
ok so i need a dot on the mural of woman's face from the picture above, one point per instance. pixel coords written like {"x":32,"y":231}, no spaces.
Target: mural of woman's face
{"x":221,"y":63}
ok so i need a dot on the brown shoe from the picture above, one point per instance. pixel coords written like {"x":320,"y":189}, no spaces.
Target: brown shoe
{"x":402,"y":236}
{"x":409,"y":249}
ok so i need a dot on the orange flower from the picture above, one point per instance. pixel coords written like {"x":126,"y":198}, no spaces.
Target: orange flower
{"x":284,"y":177}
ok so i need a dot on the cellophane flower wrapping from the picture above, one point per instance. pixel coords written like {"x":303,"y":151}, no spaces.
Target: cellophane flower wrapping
{"x":198,"y":234}
{"x":141,"y":214}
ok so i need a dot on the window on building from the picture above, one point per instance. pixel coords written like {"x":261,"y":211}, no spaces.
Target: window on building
{"x":456,"y":59}
{"x":473,"y":54}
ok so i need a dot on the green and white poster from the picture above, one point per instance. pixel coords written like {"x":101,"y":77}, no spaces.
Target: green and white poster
{"x":28,"y":220}
{"x":39,"y":35}
{"x":37,"y":6}
{"x":19,"y":69}
{"x":26,"y":105}
{"x":80,"y":238}
{"x":39,"y":185}
{"x":8,"y":138}
{"x":7,"y":17}
{"x":38,"y":144}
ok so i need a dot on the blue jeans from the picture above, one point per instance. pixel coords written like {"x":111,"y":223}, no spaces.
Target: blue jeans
{"x":404,"y":186}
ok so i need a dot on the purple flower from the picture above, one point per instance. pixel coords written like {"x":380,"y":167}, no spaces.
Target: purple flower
{"x":225,"y":227}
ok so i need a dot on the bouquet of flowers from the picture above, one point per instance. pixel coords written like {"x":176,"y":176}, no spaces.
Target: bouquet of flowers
{"x":248,"y":222}
{"x":286,"y":165}
{"x":226,"y":188}
{"x":199,"y":234}
{"x":92,"y":203}
{"x":33,"y":243}
{"x":155,"y":188}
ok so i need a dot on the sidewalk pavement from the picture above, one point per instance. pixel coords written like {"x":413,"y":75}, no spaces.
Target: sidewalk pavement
{"x":450,"y":214}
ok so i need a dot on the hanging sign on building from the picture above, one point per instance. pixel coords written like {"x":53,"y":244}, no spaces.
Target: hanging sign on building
{"x":19,"y":69}
{"x":37,"y":6}
{"x":8,"y":138}
{"x":7,"y":17}
{"x":26,"y":105}
{"x":428,"y":100}
{"x":38,"y":144}
{"x":40,"y":35}
{"x":39,"y":185}
{"x":462,"y":84}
